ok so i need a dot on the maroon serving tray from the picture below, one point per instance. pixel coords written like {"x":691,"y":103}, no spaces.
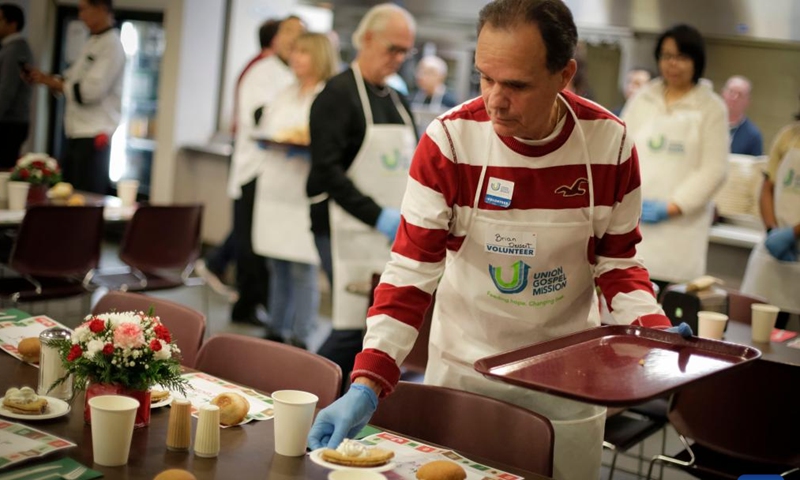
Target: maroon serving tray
{"x":615,"y":366}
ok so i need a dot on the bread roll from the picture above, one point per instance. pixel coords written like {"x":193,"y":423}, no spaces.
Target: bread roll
{"x":232,"y":408}
{"x":175,"y":474}
{"x":441,"y":470}
{"x":30,"y":348}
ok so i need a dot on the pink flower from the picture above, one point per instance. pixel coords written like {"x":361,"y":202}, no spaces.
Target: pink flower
{"x":129,"y":335}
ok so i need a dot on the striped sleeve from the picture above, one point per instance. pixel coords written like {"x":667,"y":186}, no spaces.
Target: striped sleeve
{"x":620,"y":274}
{"x":417,"y":262}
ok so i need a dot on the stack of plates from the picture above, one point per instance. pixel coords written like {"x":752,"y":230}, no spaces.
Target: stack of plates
{"x":740,"y":193}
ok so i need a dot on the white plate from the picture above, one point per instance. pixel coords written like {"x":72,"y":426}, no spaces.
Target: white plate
{"x":55,"y":408}
{"x":316,"y":457}
{"x":162,"y":403}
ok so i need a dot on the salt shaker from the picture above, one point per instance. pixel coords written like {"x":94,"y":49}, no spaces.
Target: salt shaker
{"x":179,"y":430}
{"x":51,"y":367}
{"x":206,"y":440}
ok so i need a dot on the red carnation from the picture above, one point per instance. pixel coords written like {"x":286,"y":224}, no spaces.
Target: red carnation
{"x":155,"y":345}
{"x":38,"y":164}
{"x":97,"y":325}
{"x":162,"y":332}
{"x":24,"y":174}
{"x":74,"y":353}
{"x":46,"y":172}
{"x":108,"y":349}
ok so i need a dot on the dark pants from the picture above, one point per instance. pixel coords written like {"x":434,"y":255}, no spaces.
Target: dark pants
{"x":252,"y":278}
{"x":323,"y":243}
{"x":85,"y":166}
{"x":13,"y":135}
{"x":341,"y":347}
{"x":218,"y":259}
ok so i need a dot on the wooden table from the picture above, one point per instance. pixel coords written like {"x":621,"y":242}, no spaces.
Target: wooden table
{"x":740,"y":333}
{"x":113,"y":211}
{"x":247,"y":452}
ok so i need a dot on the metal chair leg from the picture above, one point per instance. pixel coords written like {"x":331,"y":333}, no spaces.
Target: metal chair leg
{"x":674,"y":461}
{"x":614,"y":453}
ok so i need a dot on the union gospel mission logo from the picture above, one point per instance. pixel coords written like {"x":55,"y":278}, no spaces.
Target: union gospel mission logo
{"x":661,"y":142}
{"x":518,"y":278}
{"x":394,"y":161}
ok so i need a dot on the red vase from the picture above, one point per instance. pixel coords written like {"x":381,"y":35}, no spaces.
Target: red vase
{"x":37,"y":194}
{"x":98,"y":389}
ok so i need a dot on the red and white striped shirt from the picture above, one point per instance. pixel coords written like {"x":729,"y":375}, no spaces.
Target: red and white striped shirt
{"x":552,"y":184}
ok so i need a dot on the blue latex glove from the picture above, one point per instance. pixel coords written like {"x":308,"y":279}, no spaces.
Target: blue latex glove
{"x":781,"y":244}
{"x":388,"y":221}
{"x":683,"y":329}
{"x":654,"y":211}
{"x":344,"y":418}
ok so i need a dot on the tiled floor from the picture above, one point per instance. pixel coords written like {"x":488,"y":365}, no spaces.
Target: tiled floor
{"x":218,"y":310}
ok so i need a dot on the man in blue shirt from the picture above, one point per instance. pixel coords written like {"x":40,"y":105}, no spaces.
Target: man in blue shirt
{"x":745,"y":136}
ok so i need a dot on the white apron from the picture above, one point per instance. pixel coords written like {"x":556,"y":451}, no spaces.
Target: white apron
{"x":773,"y":279}
{"x":380,"y":171}
{"x":281,"y":225}
{"x":470,"y":323}
{"x":669,"y":147}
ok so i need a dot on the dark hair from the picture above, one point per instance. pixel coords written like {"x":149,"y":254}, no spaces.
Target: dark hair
{"x":13,"y":14}
{"x":267,"y":32}
{"x":102,"y":3}
{"x":690,"y":43}
{"x":552,"y":17}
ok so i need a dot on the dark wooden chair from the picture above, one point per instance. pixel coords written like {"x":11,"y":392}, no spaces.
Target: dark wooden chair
{"x":471,"y":424}
{"x":741,"y":422}
{"x":270,"y":366}
{"x":55,"y":253}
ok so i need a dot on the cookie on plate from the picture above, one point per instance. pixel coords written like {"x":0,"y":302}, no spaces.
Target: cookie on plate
{"x":24,"y":401}
{"x":354,"y":454}
{"x":158,"y":395}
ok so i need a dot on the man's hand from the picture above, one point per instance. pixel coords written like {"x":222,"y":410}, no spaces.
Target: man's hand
{"x":781,"y":244}
{"x":344,"y":418}
{"x":654,"y":211}
{"x":52,"y":82}
{"x":387,"y":223}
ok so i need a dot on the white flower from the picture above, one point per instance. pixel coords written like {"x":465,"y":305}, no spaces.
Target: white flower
{"x":116,"y":318}
{"x":92,"y":348}
{"x":165,"y":353}
{"x":81,"y":334}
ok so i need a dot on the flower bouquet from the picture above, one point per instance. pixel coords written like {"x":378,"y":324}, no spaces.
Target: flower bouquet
{"x":39,"y":170}
{"x":122,"y":353}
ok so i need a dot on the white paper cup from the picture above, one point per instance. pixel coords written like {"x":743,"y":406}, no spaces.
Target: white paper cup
{"x":763,"y":321}
{"x":112,"y":428}
{"x":126,"y":191}
{"x":354,"y":474}
{"x":4,"y":177}
{"x":711,"y":324}
{"x":18,"y":195}
{"x":294,"y":412}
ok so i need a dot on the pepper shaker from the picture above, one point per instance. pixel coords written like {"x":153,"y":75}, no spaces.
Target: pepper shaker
{"x":179,"y":430}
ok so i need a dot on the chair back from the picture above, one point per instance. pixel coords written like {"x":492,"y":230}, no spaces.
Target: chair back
{"x":739,"y":306}
{"x":56,"y":241}
{"x":163,"y":237}
{"x":187,"y":326}
{"x":270,"y":366}
{"x":471,"y":424}
{"x":747,"y":413}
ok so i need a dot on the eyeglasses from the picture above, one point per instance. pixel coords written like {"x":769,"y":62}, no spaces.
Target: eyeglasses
{"x":398,"y":50}
{"x":680,"y":57}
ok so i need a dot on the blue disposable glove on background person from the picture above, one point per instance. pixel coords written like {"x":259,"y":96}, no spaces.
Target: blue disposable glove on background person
{"x":344,"y":418}
{"x":781,"y":244}
{"x":654,"y":211}
{"x":684,"y":329}
{"x":388,"y":221}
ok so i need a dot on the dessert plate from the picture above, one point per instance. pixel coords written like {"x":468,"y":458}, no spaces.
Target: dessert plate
{"x":55,"y":408}
{"x":316,"y":457}
{"x":162,"y":403}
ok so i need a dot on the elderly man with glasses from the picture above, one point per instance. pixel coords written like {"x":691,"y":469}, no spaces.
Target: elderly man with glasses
{"x":362,"y":141}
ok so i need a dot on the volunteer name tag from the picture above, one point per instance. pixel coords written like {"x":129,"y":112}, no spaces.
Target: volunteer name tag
{"x":499,"y":192}
{"x":518,"y":244}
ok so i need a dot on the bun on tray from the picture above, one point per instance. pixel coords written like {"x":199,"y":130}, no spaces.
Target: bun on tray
{"x":232,"y":408}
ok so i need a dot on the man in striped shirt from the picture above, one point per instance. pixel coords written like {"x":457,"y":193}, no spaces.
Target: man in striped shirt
{"x":519,"y":203}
